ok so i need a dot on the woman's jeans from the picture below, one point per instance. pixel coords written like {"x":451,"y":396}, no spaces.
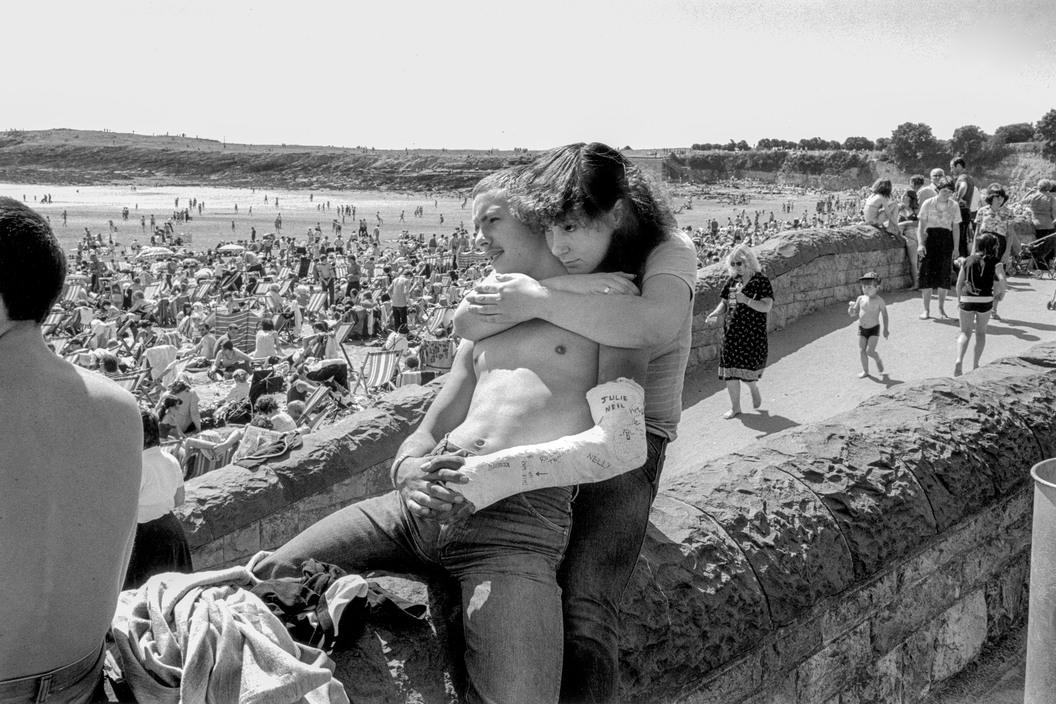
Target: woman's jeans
{"x":610,"y":519}
{"x":504,"y":560}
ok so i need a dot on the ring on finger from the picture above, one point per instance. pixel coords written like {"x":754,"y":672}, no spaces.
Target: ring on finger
{"x":607,"y":289}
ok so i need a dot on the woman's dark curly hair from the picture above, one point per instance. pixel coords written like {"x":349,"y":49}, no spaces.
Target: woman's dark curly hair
{"x":585,"y":181}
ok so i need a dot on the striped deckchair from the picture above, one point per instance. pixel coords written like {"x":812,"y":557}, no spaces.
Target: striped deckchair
{"x":478,"y":259}
{"x":201,"y":291}
{"x":73,"y":293}
{"x":284,"y":286}
{"x":314,"y":402}
{"x":285,"y":273}
{"x":439,"y":320}
{"x":340,"y":271}
{"x":378,"y":370}
{"x":52,"y":322}
{"x":246,"y":324}
{"x":152,"y":292}
{"x":316,"y":303}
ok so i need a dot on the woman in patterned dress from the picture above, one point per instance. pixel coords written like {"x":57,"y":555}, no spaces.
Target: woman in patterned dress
{"x":746,"y":300}
{"x":994,"y":218}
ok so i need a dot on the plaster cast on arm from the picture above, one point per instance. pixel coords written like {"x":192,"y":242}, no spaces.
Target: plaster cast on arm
{"x":616,"y":444}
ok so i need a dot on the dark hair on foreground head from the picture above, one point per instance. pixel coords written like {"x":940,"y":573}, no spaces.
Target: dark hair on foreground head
{"x":946,"y":183}
{"x":266,"y":405}
{"x":958,"y":161}
{"x":585,"y":181}
{"x":916,"y":180}
{"x":150,"y":428}
{"x":882,"y":187}
{"x":995,"y":190}
{"x":986,"y":245}
{"x":32,"y":264}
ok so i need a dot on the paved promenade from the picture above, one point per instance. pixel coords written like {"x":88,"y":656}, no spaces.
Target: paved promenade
{"x":813,"y":368}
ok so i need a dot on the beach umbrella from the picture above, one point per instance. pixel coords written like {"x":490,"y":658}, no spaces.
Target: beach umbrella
{"x":204,"y":273}
{"x":152,"y":252}
{"x":232,"y":248}
{"x":190,"y":261}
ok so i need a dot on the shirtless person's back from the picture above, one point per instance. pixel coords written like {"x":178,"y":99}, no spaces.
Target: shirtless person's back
{"x":69,"y":482}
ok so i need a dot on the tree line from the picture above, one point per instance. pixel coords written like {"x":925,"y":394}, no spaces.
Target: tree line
{"x":912,"y":146}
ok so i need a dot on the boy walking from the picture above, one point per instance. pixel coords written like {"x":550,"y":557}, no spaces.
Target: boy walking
{"x":870,"y":308}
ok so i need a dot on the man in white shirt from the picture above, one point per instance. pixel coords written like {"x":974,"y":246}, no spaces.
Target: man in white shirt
{"x":398,"y":292}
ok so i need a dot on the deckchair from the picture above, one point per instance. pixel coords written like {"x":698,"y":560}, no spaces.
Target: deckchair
{"x":285,"y":273}
{"x":246,"y":325}
{"x":152,"y":292}
{"x":52,"y":322}
{"x":132,"y":382}
{"x":201,"y":291}
{"x":316,"y":303}
{"x":341,"y":333}
{"x":439,"y":320}
{"x":340,"y":271}
{"x":313,"y":403}
{"x":284,"y":286}
{"x":377,"y":371}
{"x":73,"y":293}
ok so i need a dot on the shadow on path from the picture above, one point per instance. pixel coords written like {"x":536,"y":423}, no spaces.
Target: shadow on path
{"x":765,"y":423}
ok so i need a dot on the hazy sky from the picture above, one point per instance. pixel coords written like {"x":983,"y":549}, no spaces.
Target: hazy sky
{"x":528,"y":73}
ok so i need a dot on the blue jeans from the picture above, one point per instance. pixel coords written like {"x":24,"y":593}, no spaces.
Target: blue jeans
{"x":503,"y":559}
{"x":609,"y":528}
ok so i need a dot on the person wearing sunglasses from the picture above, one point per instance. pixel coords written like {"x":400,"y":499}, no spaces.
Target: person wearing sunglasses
{"x":746,"y":300}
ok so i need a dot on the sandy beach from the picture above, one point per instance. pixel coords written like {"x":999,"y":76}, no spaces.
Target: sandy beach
{"x":95,"y":206}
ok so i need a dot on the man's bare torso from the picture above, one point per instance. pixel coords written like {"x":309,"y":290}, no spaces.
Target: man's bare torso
{"x":531,"y":387}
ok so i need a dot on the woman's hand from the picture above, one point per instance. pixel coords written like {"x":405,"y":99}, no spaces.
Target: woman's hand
{"x":740,"y":297}
{"x":604,"y":283}
{"x":921,"y":251}
{"x":712,"y":319}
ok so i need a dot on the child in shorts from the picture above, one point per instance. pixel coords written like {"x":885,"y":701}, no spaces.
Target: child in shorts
{"x":870,"y":308}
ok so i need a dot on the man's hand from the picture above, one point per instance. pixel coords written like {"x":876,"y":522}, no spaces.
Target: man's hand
{"x":421,"y":483}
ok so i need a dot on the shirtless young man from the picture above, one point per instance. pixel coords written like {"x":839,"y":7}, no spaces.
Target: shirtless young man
{"x":70,"y":454}
{"x":525,"y":386}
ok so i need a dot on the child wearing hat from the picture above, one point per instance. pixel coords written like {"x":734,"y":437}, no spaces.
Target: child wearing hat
{"x":870,"y":309}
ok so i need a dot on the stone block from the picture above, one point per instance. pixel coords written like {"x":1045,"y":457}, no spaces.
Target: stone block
{"x":916,"y":657}
{"x":244,"y":542}
{"x":913,"y":605}
{"x":959,"y":636}
{"x":791,"y":540}
{"x":834,"y":668}
{"x":845,"y":611}
{"x":278,"y":528}
{"x":1006,"y":597}
{"x":790,"y":645}
{"x":208,"y":556}
{"x":881,"y":683}
{"x":733,"y":682}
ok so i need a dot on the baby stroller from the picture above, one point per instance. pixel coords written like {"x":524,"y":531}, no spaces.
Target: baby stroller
{"x":1036,"y":258}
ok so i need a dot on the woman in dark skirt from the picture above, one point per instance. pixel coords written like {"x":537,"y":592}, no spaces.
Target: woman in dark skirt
{"x":938,"y":220}
{"x":746,"y":299}
{"x":160,"y":544}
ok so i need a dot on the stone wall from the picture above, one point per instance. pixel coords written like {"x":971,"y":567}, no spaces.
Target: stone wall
{"x":861,"y":559}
